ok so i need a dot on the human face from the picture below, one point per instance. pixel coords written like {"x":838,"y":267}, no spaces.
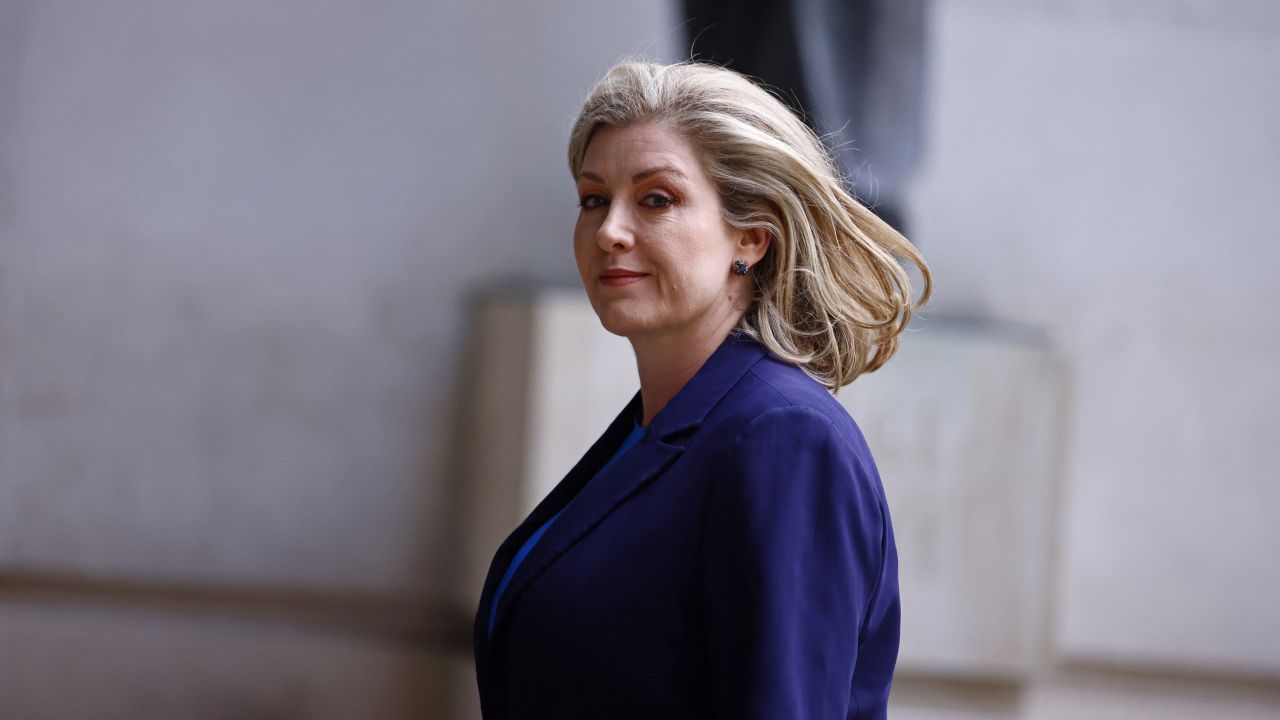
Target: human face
{"x":651,"y":243}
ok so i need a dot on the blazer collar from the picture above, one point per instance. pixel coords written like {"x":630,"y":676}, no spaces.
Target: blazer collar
{"x":586,"y":497}
{"x":704,"y":390}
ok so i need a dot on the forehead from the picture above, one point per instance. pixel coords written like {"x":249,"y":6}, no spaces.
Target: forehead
{"x":625,"y":149}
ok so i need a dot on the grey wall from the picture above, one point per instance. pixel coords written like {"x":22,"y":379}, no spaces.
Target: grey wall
{"x":1106,"y":173}
{"x":1110,"y":175}
{"x":238,"y":240}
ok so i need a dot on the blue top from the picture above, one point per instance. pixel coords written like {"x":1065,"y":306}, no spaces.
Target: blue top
{"x":627,"y":442}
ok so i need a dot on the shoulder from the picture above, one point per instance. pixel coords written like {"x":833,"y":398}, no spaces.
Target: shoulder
{"x":789,"y":462}
{"x":776,"y":403}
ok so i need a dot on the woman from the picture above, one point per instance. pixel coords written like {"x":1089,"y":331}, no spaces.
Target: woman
{"x":724,"y":549}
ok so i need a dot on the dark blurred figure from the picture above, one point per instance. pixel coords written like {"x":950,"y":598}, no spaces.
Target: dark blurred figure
{"x":854,"y":69}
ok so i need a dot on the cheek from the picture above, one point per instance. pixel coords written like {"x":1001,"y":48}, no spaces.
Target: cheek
{"x":714,"y":253}
{"x":582,"y":246}
{"x":696,"y":272}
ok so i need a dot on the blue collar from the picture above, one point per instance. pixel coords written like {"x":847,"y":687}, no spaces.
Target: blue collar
{"x":690,"y":406}
{"x":659,"y":445}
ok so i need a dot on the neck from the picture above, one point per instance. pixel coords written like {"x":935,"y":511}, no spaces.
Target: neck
{"x":667,"y":362}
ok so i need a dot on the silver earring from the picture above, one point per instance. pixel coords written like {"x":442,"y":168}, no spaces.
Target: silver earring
{"x":739,"y":267}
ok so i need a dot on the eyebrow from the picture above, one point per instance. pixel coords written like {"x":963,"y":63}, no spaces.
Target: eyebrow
{"x":638,"y":176}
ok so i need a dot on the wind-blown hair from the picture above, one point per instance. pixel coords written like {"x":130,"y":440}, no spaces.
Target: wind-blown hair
{"x":831,"y":295}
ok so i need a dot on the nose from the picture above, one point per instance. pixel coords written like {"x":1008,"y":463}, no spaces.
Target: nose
{"x":615,"y":233}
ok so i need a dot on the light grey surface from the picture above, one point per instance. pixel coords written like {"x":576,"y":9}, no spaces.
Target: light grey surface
{"x":235,"y":270}
{"x":1111,"y":176}
{"x":965,"y":424}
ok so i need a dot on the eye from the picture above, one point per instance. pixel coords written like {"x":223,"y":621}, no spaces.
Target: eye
{"x":590,"y":202}
{"x":658,"y":200}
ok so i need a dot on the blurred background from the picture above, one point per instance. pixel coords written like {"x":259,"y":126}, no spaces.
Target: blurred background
{"x":258,"y":259}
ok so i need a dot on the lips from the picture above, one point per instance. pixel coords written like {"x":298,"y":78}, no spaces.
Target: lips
{"x":619,"y":276}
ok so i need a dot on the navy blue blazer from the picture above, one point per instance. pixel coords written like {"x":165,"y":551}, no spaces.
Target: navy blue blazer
{"x":737,"y":562}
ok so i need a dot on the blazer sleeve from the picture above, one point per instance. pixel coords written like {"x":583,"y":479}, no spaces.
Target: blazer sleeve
{"x":792,"y":555}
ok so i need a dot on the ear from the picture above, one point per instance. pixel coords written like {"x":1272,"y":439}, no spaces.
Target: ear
{"x":753,"y":244}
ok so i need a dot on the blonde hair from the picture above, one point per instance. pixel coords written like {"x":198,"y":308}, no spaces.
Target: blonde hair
{"x":830,"y":295}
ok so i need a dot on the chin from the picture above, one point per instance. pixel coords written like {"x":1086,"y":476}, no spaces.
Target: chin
{"x":621,"y":329}
{"x":621,"y":324}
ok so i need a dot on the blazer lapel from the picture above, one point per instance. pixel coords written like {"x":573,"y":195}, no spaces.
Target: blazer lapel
{"x":587,"y":495}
